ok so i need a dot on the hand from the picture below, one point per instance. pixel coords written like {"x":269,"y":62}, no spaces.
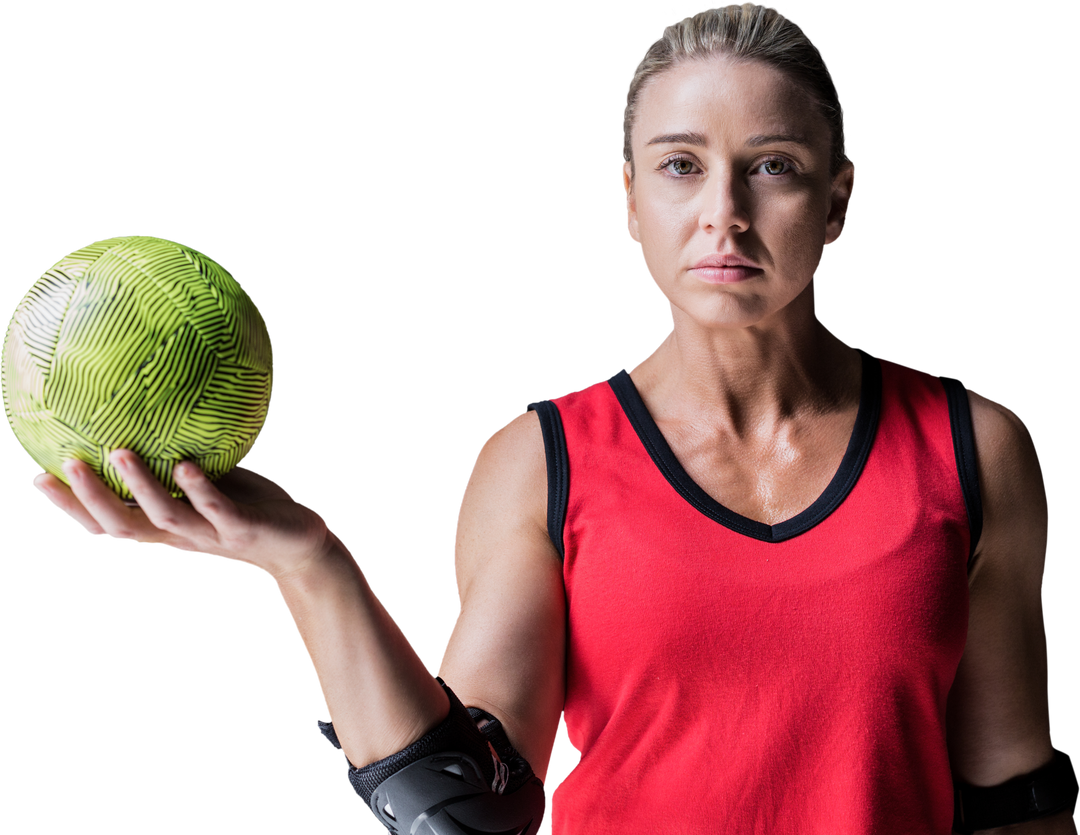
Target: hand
{"x":244,"y":516}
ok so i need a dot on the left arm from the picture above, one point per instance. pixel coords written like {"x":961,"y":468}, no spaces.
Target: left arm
{"x":998,"y":717}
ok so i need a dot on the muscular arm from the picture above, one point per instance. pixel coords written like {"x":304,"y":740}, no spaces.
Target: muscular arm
{"x":507,"y":653}
{"x":998,"y":719}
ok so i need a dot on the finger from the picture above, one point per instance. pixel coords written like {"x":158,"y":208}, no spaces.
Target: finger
{"x":213,"y":505}
{"x":107,"y":510}
{"x":161,"y":509}
{"x":61,"y":496}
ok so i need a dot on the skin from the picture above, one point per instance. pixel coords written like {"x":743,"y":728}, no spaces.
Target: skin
{"x":243,"y":517}
{"x":745,"y":365}
{"x":744,"y":357}
{"x":755,"y":396}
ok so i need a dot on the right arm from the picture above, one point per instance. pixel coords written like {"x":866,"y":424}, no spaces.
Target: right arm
{"x":373,"y":681}
{"x":505,"y":651}
{"x":380,"y":696}
{"x":379,"y":693}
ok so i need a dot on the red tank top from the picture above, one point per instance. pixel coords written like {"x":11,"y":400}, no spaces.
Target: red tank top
{"x":728,"y":676}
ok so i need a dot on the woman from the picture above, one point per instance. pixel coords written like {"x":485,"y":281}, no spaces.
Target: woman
{"x":747,"y":575}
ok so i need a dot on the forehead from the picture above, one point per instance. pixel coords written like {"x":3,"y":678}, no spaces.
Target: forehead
{"x":726,"y":99}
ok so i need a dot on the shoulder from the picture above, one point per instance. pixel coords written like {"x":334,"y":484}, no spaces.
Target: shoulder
{"x":1003,"y":440}
{"x":1010,"y":482}
{"x":513,"y":457}
{"x":505,"y":506}
{"x":998,"y":722}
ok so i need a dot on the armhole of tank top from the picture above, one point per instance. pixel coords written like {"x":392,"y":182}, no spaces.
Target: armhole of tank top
{"x":963,"y":436}
{"x":558,"y":470}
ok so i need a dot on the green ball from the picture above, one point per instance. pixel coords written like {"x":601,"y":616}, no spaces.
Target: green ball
{"x":142,"y":344}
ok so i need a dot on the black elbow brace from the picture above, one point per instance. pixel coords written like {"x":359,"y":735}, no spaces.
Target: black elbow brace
{"x":1043,"y":792}
{"x":461,"y":778}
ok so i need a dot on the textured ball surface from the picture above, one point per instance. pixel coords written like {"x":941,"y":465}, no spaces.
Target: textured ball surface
{"x":137,"y":343}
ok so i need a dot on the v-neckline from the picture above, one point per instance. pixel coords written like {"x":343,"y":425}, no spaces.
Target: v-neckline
{"x":851,"y":465}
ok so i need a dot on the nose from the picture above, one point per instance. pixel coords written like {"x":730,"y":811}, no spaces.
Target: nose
{"x":725,"y":204}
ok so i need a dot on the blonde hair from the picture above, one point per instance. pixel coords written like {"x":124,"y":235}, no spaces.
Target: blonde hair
{"x":750,"y":33}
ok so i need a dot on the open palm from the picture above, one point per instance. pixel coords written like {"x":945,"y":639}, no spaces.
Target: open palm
{"x":243,"y":516}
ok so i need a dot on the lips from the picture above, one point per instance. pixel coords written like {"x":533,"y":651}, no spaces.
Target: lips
{"x":719,"y":268}
{"x":721,"y":261}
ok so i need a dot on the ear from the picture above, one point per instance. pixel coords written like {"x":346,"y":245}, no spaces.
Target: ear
{"x":631,"y":200}
{"x":838,"y":202}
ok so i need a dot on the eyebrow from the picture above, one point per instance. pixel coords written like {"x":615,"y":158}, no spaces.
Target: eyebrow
{"x":694,"y":138}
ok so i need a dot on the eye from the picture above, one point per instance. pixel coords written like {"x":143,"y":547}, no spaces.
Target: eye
{"x":678,"y":166}
{"x":682,"y":167}
{"x":774,"y":167}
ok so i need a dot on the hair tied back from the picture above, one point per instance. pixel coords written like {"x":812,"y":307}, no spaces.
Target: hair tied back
{"x":673,"y":12}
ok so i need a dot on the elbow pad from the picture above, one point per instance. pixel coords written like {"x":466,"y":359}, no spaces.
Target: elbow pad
{"x":461,"y":778}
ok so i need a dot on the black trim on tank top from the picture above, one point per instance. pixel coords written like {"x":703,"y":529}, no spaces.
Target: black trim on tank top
{"x":851,"y":465}
{"x":558,"y":469}
{"x":558,"y":464}
{"x":963,"y":438}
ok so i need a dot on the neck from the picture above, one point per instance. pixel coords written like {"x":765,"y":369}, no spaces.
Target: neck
{"x":746,"y":379}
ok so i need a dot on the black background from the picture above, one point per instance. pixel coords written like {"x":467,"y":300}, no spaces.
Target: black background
{"x":424,"y":204}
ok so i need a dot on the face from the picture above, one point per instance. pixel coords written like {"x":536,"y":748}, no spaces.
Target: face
{"x":731,"y":196}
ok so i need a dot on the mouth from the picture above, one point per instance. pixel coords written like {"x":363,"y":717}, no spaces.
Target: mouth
{"x":725,"y":275}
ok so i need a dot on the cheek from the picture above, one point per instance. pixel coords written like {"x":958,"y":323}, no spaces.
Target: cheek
{"x":799,"y":234}
{"x":793,"y":228}
{"x":665,"y":221}
{"x":664,"y":241}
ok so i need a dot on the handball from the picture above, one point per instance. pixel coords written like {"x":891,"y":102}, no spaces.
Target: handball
{"x":142,"y":344}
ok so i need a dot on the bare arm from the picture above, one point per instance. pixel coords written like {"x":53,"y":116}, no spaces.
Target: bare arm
{"x":379,"y":693}
{"x":374,"y":683}
{"x":507,"y":653}
{"x":999,"y":725}
{"x":380,"y":696}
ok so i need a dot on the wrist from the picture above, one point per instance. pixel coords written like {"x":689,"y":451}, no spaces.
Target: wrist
{"x":325,"y":564}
